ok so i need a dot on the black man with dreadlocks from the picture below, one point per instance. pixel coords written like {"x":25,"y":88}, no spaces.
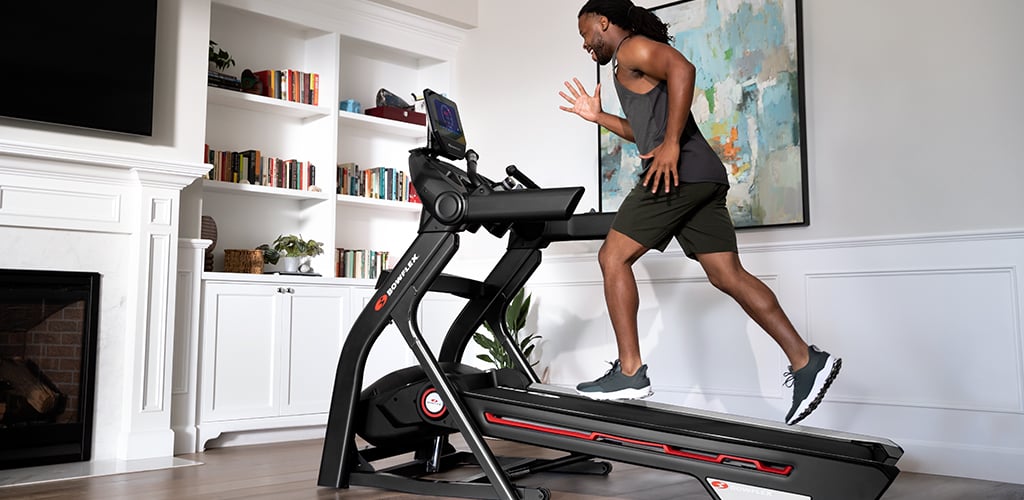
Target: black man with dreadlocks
{"x":680,"y":193}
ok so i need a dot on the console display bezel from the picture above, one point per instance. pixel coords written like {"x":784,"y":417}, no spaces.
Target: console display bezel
{"x":446,"y":135}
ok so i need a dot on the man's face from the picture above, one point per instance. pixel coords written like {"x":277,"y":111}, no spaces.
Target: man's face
{"x":592,"y":29}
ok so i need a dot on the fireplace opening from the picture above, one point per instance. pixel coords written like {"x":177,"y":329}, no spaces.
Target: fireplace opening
{"x":48,"y":327}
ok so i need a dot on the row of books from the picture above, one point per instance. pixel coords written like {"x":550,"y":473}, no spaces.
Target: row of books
{"x":380,"y":183}
{"x":252,"y":167}
{"x":365,"y":264}
{"x":290,"y":85}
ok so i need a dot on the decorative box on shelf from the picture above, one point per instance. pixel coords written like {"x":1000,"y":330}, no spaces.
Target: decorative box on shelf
{"x":400,"y":114}
{"x":243,"y":261}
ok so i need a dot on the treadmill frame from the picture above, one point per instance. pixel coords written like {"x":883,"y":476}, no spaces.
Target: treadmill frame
{"x":860,"y":467}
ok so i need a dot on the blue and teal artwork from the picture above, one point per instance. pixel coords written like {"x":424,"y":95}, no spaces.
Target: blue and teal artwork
{"x":747,"y":102}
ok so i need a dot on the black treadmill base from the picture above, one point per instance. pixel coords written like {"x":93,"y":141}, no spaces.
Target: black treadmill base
{"x":438,"y":487}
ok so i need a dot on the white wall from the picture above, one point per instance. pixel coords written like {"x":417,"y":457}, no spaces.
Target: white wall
{"x":509,"y":73}
{"x":909,"y":268}
{"x":508,"y":76}
{"x":911,"y":106}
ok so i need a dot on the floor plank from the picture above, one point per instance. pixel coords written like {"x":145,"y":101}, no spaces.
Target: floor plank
{"x":287,"y":471}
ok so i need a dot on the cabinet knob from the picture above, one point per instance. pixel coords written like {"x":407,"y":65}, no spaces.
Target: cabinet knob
{"x":291,"y":290}
{"x":280,"y":290}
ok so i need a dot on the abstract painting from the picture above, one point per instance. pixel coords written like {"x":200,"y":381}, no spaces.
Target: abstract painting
{"x":748,"y":102}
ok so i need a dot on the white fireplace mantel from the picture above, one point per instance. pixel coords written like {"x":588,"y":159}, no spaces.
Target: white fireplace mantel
{"x":76,"y":210}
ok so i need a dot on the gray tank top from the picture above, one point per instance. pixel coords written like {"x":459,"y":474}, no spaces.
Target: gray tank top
{"x":648,"y":117}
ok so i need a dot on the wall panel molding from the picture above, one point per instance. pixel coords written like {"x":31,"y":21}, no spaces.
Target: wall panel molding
{"x":929,"y":327}
{"x":916,"y":339}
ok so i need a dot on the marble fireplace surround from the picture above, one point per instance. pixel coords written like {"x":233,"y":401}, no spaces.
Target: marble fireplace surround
{"x":73,"y":210}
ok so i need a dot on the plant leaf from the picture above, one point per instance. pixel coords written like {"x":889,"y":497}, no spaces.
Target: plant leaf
{"x":524,"y":311}
{"x":484,"y":341}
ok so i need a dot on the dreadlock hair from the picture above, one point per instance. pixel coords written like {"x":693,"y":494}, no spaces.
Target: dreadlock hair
{"x":624,"y":14}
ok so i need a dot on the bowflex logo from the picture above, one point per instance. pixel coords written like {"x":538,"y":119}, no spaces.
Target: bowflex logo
{"x":731,"y":490}
{"x":383,"y":299}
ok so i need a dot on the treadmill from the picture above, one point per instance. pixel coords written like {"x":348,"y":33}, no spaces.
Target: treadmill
{"x":415,"y":410}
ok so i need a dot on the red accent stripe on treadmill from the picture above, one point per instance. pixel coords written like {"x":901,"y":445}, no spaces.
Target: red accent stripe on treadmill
{"x":594,"y":436}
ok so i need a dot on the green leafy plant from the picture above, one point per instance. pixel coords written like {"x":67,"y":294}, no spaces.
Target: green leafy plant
{"x":515,"y":321}
{"x":219,"y":57}
{"x":290,"y":246}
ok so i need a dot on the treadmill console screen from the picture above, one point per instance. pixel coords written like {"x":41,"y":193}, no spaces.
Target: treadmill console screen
{"x":446,"y":135}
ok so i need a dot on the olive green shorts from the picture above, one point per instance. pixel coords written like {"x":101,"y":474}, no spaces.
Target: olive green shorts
{"x":694,"y":213}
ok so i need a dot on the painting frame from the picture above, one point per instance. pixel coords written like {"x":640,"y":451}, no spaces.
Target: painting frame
{"x":765,"y":151}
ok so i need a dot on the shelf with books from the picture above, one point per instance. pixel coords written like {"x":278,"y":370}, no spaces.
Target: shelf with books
{"x":360,"y":264}
{"x":255,"y":168}
{"x":255,"y":102}
{"x":382,"y":125}
{"x":381,"y":183}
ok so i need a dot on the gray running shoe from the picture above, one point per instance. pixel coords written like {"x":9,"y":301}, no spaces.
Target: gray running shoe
{"x":810,"y":383}
{"x":615,"y":385}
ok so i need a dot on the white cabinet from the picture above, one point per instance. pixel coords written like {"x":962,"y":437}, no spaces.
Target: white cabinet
{"x":316,"y":323}
{"x":268,"y":354}
{"x":240,"y":355}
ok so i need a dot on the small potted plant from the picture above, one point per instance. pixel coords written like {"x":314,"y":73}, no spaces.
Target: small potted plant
{"x":292,"y":251}
{"x":220,"y":57}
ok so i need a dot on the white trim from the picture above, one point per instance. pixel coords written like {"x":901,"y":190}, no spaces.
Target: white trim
{"x":183,"y":172}
{"x":825,"y":244}
{"x":366,"y":21}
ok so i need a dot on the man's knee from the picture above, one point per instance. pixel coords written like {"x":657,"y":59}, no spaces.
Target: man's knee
{"x":607,"y":256}
{"x":619,"y":250}
{"x":724,"y":272}
{"x":723,"y":281}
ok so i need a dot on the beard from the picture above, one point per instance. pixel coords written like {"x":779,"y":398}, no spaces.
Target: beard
{"x":601,"y":54}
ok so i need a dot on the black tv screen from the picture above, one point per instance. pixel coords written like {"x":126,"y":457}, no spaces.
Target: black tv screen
{"x":84,"y":64}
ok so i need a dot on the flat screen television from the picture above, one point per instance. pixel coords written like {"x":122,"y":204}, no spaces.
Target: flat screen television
{"x":84,"y":64}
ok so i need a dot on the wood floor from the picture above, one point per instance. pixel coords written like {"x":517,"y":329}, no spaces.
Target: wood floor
{"x":288,"y":471}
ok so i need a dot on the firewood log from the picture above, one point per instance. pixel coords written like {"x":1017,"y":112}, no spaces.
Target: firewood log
{"x":23,"y":381}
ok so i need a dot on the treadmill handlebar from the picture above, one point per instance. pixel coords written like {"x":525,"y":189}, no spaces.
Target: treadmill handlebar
{"x":454,"y":196}
{"x":522,"y":205}
{"x":521,"y":177}
{"x":580,"y":227}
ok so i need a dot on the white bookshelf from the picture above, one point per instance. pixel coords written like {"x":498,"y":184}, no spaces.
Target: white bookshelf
{"x":297,"y":323}
{"x":352,"y":63}
{"x":362,"y":201}
{"x":213,"y":187}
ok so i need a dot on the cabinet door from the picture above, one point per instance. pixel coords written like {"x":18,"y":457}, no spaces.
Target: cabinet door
{"x":317,"y":324}
{"x":240,"y":351}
